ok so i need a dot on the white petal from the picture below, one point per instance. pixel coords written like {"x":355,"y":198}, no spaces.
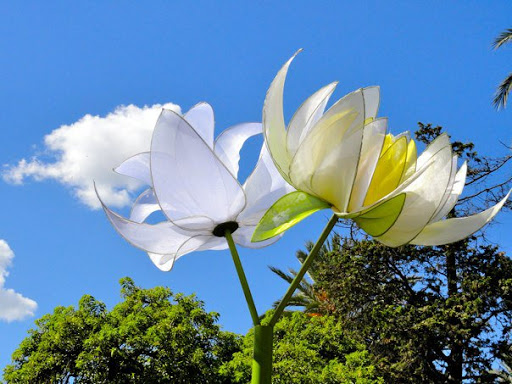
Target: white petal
{"x":188,"y":178}
{"x":243,"y":237}
{"x":306,"y":117}
{"x":273,"y":121}
{"x":439,"y":142}
{"x":371,"y":101}
{"x":326,"y":162}
{"x":263,"y":187}
{"x":453,"y":195}
{"x":230,"y":142}
{"x":423,"y":197}
{"x":202,"y":119}
{"x":196,"y":243}
{"x":137,"y":167}
{"x":355,"y":101}
{"x":164,"y":266}
{"x":144,"y":206}
{"x":373,"y":139}
{"x":452,"y":230}
{"x":162,"y":238}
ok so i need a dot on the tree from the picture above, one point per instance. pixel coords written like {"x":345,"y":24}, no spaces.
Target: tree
{"x":501,"y":96}
{"x":308,"y":350}
{"x":152,"y":336}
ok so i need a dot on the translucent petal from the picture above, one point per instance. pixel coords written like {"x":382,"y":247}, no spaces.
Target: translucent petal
{"x":202,"y":119}
{"x":285,"y":213}
{"x":306,"y":117}
{"x":362,"y":210}
{"x":353,"y":102}
{"x":452,"y":230}
{"x":373,"y":139}
{"x":156,"y":259}
{"x":137,"y":167}
{"x":230,"y":142}
{"x":371,"y":101}
{"x":188,"y":178}
{"x":326,"y":162}
{"x":447,"y":192}
{"x":439,"y":142}
{"x":162,"y":238}
{"x":453,"y":197}
{"x":193,"y":244}
{"x":144,"y":206}
{"x":388,"y":172}
{"x":423,"y":196}
{"x":378,"y":220}
{"x":274,"y":127}
{"x":412,"y":158}
{"x":262,"y":189}
{"x":244,"y":234}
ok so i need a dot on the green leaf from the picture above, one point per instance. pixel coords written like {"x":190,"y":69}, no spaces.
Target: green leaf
{"x":285,"y":213}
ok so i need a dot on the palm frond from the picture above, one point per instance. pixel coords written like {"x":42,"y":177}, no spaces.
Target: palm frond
{"x":283,"y":275}
{"x":501,"y":96}
{"x":503,"y":38}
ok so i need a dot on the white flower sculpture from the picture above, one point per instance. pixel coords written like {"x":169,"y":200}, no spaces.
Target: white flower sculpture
{"x":343,"y":159}
{"x":193,"y":181}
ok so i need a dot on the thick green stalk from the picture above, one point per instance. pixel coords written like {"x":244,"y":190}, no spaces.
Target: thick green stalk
{"x":262,"y":357}
{"x":302,"y":271}
{"x":243,"y":279}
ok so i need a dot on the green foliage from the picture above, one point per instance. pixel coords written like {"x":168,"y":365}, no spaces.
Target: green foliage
{"x":152,"y":336}
{"x":308,"y":350}
{"x":396,"y":301}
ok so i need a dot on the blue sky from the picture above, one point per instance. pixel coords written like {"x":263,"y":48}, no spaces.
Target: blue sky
{"x":62,"y":61}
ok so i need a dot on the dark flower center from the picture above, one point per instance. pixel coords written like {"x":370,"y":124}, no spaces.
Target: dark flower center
{"x":220,"y":230}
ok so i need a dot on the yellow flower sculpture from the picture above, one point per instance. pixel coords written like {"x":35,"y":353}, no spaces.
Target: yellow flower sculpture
{"x":344,"y":160}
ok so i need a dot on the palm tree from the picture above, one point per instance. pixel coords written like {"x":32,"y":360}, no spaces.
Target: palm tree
{"x":501,"y":95}
{"x":313,"y":301}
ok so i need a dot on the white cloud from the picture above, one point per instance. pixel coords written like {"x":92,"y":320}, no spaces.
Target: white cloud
{"x":13,"y":306}
{"x":88,"y":149}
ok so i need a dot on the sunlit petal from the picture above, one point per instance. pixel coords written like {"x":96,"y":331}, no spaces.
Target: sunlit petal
{"x":306,"y":117}
{"x":263,"y":187}
{"x":451,"y":230}
{"x":162,"y":238}
{"x":202,"y":119}
{"x":274,"y":127}
{"x":137,"y":167}
{"x":188,"y":178}
{"x":423,"y":197}
{"x":197,"y":243}
{"x":373,"y":140}
{"x":144,"y":206}
{"x":229,"y":143}
{"x":244,"y":234}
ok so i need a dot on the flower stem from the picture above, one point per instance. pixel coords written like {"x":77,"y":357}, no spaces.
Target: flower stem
{"x":242,"y":278}
{"x":302,"y":271}
{"x":262,"y":356}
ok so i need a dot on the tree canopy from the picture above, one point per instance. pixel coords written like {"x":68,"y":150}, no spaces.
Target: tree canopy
{"x":152,"y":336}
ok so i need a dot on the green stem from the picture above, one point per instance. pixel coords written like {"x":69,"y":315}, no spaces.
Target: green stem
{"x":262,"y":357}
{"x":303,"y":269}
{"x":242,"y":278}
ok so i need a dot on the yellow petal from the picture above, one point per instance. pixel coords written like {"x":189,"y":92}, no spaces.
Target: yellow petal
{"x":389,"y":170}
